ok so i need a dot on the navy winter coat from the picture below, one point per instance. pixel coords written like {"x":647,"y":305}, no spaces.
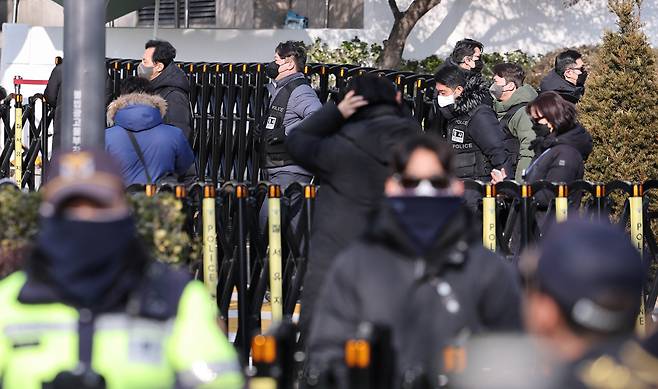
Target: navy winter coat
{"x":165,"y":148}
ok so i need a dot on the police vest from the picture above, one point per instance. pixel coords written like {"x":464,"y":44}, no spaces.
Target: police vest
{"x":42,"y":342}
{"x":275,"y":153}
{"x":470,"y":162}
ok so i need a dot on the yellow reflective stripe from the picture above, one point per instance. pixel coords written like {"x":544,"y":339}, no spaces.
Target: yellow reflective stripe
{"x":206,"y":372}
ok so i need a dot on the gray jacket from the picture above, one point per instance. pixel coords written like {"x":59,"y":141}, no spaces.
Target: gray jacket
{"x":303,"y":102}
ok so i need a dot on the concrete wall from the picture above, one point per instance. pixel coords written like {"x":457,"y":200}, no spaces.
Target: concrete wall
{"x":535,"y":26}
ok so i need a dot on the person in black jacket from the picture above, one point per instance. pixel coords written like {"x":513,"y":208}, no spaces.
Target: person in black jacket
{"x":347,"y":148}
{"x":53,"y":94}
{"x":473,"y":128}
{"x":568,"y":77}
{"x":420,"y":271}
{"x":168,"y":81}
{"x":561,"y":147}
{"x":466,"y":56}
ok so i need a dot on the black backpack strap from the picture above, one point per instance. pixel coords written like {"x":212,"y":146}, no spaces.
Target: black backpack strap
{"x":504,"y":121}
{"x":140,"y":155}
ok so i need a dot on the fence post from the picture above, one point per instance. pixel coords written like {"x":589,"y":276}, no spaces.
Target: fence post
{"x":274,"y":227}
{"x":637,"y":237}
{"x":357,"y":360}
{"x":18,"y":139}
{"x":489,"y":217}
{"x":526,"y":198}
{"x":600,"y":201}
{"x":209,"y":240}
{"x":561,"y":203}
{"x":243,"y":276}
{"x":264,"y":357}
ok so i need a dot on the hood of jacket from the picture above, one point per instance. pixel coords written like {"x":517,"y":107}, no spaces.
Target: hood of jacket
{"x":376,"y":129}
{"x":171,"y":77}
{"x":523,"y":95}
{"x":449,"y":247}
{"x":137,"y":111}
{"x":553,"y":82}
{"x":577,"y":137}
{"x":476,"y":92}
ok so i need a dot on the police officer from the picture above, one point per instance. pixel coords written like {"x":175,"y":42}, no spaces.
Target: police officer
{"x":291,"y":100}
{"x":582,"y":303}
{"x":419,"y":271}
{"x":92,"y":310}
{"x":473,"y":129}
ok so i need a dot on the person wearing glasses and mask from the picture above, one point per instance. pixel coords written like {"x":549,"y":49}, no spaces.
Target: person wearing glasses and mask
{"x":568,"y":77}
{"x":561,"y":147}
{"x":420,"y":271}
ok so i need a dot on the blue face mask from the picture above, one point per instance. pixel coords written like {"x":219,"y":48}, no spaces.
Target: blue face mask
{"x":85,"y":258}
{"x":423,"y":218}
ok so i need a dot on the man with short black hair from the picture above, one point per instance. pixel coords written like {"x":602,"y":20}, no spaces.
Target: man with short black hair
{"x":466,"y":56}
{"x":511,"y":96}
{"x":568,"y":77}
{"x":168,"y":81}
{"x":291,"y":101}
{"x":472,"y":127}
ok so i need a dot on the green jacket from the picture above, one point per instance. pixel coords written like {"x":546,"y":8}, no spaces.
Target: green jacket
{"x":188,"y":350}
{"x":520,"y":125}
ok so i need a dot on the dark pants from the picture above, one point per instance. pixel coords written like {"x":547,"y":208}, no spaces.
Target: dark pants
{"x":284,"y":179}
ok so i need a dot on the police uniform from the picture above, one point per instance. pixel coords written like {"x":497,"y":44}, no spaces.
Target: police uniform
{"x":92,"y":310}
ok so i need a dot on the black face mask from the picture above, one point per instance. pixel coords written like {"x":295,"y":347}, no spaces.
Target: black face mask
{"x":272,"y":70}
{"x":479,"y":65}
{"x":540,"y":129}
{"x":423,"y":218}
{"x":85,"y":258}
{"x":582,"y":77}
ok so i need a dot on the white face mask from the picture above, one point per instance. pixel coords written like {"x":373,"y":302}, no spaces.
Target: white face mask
{"x":445,"y":101}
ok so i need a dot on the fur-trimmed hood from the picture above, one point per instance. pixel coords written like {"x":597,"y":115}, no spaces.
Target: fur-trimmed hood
{"x":476,"y":92}
{"x":137,"y":111}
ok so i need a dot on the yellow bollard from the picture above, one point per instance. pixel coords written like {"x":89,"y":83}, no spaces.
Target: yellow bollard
{"x":209,"y":240}
{"x":274,"y":227}
{"x":489,"y":218}
{"x":18,"y":139}
{"x":561,"y":204}
{"x":637,"y":237}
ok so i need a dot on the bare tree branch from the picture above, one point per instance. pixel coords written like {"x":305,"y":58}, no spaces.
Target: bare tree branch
{"x":394,"y":8}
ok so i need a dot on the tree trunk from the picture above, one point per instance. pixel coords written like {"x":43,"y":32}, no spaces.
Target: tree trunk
{"x":391,"y":56}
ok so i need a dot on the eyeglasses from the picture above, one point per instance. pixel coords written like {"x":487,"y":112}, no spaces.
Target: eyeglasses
{"x":581,"y":69}
{"x":407,"y":182}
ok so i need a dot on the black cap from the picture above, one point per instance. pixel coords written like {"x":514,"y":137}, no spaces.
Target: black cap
{"x":582,"y":264}
{"x":90,"y":174}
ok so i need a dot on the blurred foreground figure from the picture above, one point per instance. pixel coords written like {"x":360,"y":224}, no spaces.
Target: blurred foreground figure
{"x":582,"y":304}
{"x":92,"y":310}
{"x":420,"y":272}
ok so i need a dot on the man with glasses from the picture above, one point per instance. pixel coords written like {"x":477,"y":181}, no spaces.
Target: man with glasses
{"x":420,"y":272}
{"x":568,"y":77}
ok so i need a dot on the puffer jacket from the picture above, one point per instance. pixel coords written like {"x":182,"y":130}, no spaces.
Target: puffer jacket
{"x":165,"y":148}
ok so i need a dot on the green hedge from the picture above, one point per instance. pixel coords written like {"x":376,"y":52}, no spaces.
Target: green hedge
{"x":160,"y":225}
